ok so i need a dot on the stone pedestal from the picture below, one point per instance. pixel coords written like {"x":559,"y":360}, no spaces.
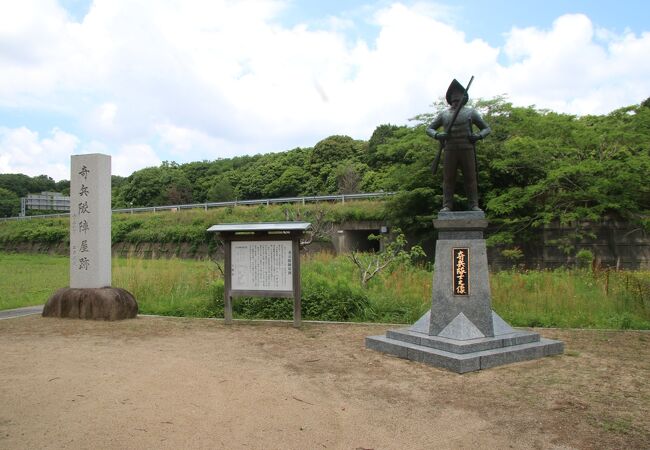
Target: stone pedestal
{"x":92,"y":303}
{"x":461,"y":332}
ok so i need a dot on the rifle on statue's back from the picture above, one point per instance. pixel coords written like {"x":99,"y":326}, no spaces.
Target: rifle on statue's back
{"x":436,"y":162}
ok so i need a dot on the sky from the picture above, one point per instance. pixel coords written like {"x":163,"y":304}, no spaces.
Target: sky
{"x":147,"y":81}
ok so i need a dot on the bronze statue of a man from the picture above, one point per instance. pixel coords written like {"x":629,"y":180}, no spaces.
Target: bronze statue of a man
{"x":459,"y":142}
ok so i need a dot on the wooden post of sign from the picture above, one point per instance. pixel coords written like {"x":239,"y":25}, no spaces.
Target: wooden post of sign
{"x":297,"y":317}
{"x":227,"y":301}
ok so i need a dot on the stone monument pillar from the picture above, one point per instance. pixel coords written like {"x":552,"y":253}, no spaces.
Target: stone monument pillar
{"x":90,"y":221}
{"x":90,"y":295}
{"x":461,"y":332}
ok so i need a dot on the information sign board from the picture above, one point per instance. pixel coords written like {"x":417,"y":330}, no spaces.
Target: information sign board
{"x":262,"y":266}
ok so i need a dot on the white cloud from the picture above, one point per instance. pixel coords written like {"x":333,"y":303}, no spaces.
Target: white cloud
{"x":132,"y":157}
{"x":188,"y":80}
{"x":186,"y":143}
{"x":107,"y":113}
{"x":24,"y":151}
{"x":567,"y":69}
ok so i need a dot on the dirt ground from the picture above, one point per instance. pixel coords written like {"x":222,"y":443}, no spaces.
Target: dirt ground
{"x":192,"y":383}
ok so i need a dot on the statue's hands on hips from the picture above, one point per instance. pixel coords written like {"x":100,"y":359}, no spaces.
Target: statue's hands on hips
{"x":475,"y":137}
{"x":441,"y":136}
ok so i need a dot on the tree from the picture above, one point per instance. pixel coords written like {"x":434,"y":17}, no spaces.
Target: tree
{"x":321,"y":227}
{"x":327,"y":156}
{"x":335,"y":149}
{"x":22,"y":184}
{"x":155,"y":186}
{"x":176,"y":186}
{"x":143,"y":188}
{"x":290,"y":184}
{"x":393,"y":254}
{"x":221,"y":190}
{"x":555,"y":167}
{"x":414,"y":210}
{"x":178,"y":192}
{"x":348,"y":177}
{"x":380,"y":136}
{"x":63,"y":186}
{"x":9,"y":203}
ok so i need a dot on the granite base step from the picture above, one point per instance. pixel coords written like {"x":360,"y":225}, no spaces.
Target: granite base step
{"x":490,"y":352}
{"x":516,"y":337}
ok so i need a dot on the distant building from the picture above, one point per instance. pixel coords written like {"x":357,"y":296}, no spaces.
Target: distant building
{"x":45,"y":201}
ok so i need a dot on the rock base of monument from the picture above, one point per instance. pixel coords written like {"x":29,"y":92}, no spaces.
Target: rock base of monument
{"x":106,"y":303}
{"x":465,"y":355}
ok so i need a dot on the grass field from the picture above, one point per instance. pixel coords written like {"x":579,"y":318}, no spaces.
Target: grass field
{"x":331,"y":291}
{"x":27,"y":280}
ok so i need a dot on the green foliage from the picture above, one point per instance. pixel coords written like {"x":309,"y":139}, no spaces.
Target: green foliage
{"x":122,"y":225}
{"x":45,"y":231}
{"x":512,"y":254}
{"x":348,"y":177}
{"x":328,"y":293}
{"x":414,"y":209}
{"x":333,"y":150}
{"x":221,"y":190}
{"x":288,"y":184}
{"x":172,"y":287}
{"x":546,"y":167}
{"x":584,"y":258}
{"x":15,"y":186}
{"x":22,"y":185}
{"x":561,"y":298}
{"x":393,"y":254}
{"x":155,"y":186}
{"x":573,"y":298}
{"x":29,"y":280}
{"x":324,"y":300}
{"x":9,"y":203}
{"x":321,"y":300}
{"x":381,"y":135}
{"x":188,"y":226}
{"x":260,"y":179}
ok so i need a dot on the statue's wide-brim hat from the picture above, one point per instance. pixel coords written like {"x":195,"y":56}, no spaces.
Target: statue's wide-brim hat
{"x":456,"y":87}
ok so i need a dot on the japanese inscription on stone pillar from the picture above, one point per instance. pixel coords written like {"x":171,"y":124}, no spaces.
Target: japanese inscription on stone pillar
{"x":262,"y":265}
{"x":90,"y":221}
{"x":461,"y":271}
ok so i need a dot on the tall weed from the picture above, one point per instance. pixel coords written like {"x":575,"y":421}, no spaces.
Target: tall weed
{"x":331,"y":291}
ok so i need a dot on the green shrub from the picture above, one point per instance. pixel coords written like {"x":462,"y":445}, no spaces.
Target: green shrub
{"x":322,"y":299}
{"x":584,"y":258}
{"x":263,"y":308}
{"x":120,"y":228}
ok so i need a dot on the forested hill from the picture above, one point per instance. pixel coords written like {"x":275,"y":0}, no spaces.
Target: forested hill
{"x":536,"y":166}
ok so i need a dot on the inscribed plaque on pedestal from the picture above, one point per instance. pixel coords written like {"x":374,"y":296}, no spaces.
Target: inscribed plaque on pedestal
{"x":461,"y":271}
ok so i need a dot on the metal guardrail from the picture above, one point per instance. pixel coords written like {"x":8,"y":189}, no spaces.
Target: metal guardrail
{"x":268,"y":201}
